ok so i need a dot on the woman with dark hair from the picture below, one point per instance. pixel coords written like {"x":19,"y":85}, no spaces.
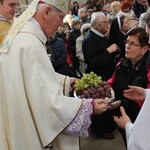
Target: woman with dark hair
{"x":75,"y":8}
{"x":66,"y":27}
{"x":133,"y":69}
{"x":94,"y":4}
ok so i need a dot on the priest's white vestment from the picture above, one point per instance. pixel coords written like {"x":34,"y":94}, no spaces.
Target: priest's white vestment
{"x":33,"y":110}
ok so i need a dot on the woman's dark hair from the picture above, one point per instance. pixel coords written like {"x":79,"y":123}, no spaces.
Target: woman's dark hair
{"x":75,"y":3}
{"x":1,"y":1}
{"x":67,"y":24}
{"x":143,"y":37}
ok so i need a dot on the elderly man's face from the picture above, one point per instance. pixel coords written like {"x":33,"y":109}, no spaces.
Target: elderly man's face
{"x":103,"y":25}
{"x":53,"y":20}
{"x":9,"y":8}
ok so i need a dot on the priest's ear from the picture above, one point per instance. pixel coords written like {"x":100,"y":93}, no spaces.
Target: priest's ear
{"x":47,"y":11}
{"x":43,"y":11}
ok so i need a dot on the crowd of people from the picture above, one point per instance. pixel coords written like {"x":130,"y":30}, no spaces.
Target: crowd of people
{"x":121,"y":16}
{"x":52,"y":44}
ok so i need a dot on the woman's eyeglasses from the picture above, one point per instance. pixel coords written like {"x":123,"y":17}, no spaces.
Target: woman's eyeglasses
{"x":130,"y":43}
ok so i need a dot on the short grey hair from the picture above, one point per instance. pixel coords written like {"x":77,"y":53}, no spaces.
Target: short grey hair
{"x":96,"y":18}
{"x":41,"y":7}
{"x":115,"y":3}
{"x":83,"y":9}
{"x":146,"y":18}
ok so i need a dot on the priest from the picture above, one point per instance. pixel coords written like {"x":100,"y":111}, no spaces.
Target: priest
{"x":36,"y":111}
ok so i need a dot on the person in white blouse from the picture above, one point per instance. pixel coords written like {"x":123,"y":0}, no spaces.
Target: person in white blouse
{"x":138,"y":137}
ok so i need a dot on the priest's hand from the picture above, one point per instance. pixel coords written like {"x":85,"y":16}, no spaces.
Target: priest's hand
{"x":99,"y":106}
{"x":72,"y":83}
{"x":134,"y":93}
{"x":122,"y":120}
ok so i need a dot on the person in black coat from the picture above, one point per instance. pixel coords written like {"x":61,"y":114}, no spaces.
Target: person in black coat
{"x":56,"y":49}
{"x":74,"y":34}
{"x":75,"y":8}
{"x":99,"y":59}
{"x":96,"y":49}
{"x":139,"y":7}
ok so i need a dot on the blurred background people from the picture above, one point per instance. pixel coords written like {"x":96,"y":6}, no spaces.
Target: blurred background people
{"x":115,"y":7}
{"x":139,"y":7}
{"x":82,"y":13}
{"x":75,"y":9}
{"x":89,"y":14}
{"x":79,"y":52}
{"x":107,"y":9}
{"x":74,"y":34}
{"x":96,"y":49}
{"x":94,"y":3}
{"x":68,"y":18}
{"x":126,"y":9}
{"x":56,"y":49}
{"x":62,"y":30}
{"x":99,"y":59}
{"x":66,"y":27}
{"x":118,"y":34}
{"x":141,"y":20}
{"x":70,"y":6}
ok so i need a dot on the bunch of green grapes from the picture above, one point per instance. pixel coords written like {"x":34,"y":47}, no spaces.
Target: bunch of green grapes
{"x":88,"y":80}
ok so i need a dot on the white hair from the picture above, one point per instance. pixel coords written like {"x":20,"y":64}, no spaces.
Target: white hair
{"x":41,"y":7}
{"x":83,"y":9}
{"x":115,"y":3}
{"x":96,"y":18}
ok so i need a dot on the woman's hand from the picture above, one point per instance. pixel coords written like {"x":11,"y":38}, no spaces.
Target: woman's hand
{"x":122,"y":120}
